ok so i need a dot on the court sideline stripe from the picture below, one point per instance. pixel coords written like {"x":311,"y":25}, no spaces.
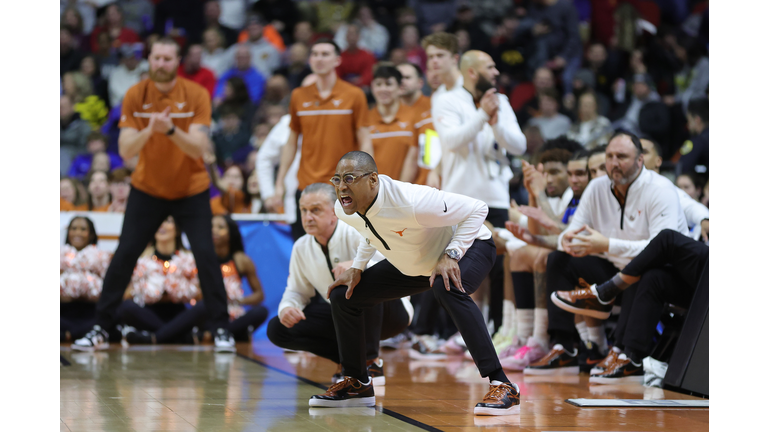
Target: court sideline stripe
{"x":64,"y":361}
{"x":386,"y":411}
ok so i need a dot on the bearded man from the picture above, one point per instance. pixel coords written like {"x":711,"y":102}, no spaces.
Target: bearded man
{"x":165,"y":121}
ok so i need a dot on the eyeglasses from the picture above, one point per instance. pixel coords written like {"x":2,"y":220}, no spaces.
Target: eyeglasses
{"x":348,"y":178}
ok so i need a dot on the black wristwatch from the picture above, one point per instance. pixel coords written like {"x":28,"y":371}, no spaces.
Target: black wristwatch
{"x":453,"y":254}
{"x":170,"y":132}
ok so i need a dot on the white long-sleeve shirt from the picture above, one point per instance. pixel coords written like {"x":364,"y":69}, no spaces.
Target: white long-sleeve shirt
{"x":651,"y":205}
{"x":694,"y":212}
{"x":412,"y":226}
{"x":472,"y":164}
{"x":268,"y":161}
{"x":310,"y":268}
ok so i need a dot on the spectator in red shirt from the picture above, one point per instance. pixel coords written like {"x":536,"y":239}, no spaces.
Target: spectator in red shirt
{"x":191,"y":69}
{"x":113,"y":26}
{"x":356,"y":64}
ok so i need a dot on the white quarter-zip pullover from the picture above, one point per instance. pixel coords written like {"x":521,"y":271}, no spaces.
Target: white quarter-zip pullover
{"x":474,"y":161}
{"x":310,"y":269}
{"x":412,"y":226}
{"x":651,"y":205}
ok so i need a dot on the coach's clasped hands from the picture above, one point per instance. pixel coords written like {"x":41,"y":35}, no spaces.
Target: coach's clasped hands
{"x":585,"y":241}
{"x":160,"y":122}
{"x":350,"y":278}
{"x":447,"y":268}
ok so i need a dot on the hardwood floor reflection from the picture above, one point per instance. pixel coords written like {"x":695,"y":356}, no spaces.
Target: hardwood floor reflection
{"x":188,"y":388}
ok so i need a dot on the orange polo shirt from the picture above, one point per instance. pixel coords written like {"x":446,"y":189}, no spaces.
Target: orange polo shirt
{"x":391,"y":141}
{"x":422,"y":120}
{"x":329,"y":128}
{"x":164,"y":171}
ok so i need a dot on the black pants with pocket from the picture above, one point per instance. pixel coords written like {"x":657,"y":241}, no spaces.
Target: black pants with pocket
{"x":383,"y":282}
{"x":317,"y":335}
{"x":143,"y":216}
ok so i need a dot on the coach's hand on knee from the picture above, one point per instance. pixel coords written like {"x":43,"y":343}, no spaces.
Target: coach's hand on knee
{"x":447,"y":268}
{"x":350,"y":278}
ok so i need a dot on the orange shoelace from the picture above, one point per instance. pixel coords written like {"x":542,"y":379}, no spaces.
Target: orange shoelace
{"x":497,"y":393}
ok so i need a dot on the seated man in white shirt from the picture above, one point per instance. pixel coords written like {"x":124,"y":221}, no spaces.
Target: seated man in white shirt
{"x":696,"y":213}
{"x":304,"y":321}
{"x":432,"y":240}
{"x":617,"y":217}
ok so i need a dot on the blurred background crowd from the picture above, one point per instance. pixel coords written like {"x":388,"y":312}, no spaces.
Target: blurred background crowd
{"x":580,"y":68}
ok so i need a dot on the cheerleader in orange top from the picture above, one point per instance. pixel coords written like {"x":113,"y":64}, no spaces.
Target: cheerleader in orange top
{"x":235,"y":265}
{"x":81,"y":270}
{"x":165,"y":278}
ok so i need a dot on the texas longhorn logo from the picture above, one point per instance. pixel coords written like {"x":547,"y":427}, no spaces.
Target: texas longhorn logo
{"x":399,"y":232}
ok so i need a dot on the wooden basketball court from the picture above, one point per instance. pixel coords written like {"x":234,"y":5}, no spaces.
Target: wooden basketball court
{"x":262,"y":388}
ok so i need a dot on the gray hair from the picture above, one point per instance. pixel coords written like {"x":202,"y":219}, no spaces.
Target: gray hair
{"x":322,"y":188}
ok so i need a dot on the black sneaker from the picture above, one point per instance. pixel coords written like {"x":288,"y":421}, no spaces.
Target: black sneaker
{"x":348,"y":393}
{"x":589,"y":356}
{"x":94,"y":340}
{"x":623,"y":371}
{"x":502,"y":399}
{"x":224,"y":341}
{"x":376,"y":372}
{"x":133,"y":336}
{"x":557,"y":362}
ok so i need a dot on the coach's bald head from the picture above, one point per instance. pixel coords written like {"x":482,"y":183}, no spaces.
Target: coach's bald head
{"x":356,"y":181}
{"x":479,"y":72}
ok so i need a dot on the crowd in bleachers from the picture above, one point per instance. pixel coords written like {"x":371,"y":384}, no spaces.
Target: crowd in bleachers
{"x":574,"y":71}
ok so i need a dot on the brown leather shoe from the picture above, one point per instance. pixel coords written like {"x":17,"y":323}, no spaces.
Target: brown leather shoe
{"x":623,"y":370}
{"x":502,"y":399}
{"x":557,"y":362}
{"x":347,"y":393}
{"x":607,"y":362}
{"x":582,"y":302}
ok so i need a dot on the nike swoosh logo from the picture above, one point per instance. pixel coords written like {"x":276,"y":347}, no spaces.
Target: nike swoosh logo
{"x":445,"y":210}
{"x":146,"y":106}
{"x":591,"y":362}
{"x":564,"y":362}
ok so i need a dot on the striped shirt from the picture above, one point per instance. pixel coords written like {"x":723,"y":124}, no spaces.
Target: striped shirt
{"x":329,"y":128}
{"x":391,"y":141}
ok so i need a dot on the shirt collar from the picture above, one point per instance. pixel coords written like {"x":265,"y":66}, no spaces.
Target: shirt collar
{"x":334,"y":90}
{"x":384,"y":185}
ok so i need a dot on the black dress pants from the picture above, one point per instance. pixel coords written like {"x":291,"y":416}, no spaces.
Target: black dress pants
{"x":317,"y":335}
{"x":669,"y":269}
{"x":143,"y":215}
{"x":383,"y":282}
